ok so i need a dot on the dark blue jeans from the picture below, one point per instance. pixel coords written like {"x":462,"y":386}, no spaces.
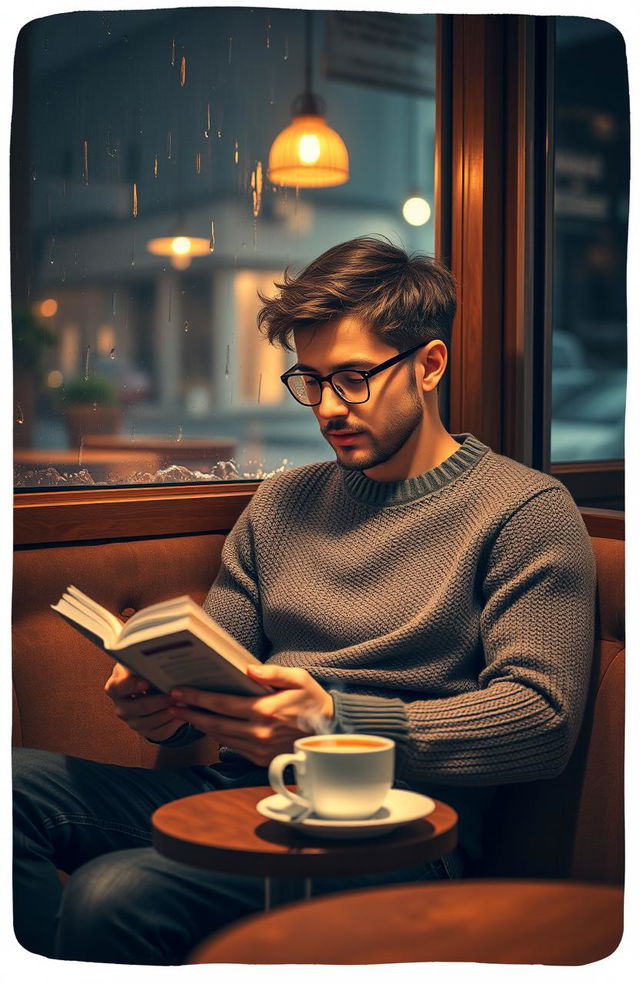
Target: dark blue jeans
{"x":124,"y":902}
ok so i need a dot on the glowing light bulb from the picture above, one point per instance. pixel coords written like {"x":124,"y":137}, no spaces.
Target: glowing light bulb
{"x":309,"y":148}
{"x":181,"y":245}
{"x":55,"y":379}
{"x":416,"y":211}
{"x":48,"y":308}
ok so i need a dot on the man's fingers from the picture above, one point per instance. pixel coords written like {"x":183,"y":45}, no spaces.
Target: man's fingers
{"x":149,"y":722}
{"x":127,"y":686}
{"x":226,"y":705}
{"x":134,"y":708}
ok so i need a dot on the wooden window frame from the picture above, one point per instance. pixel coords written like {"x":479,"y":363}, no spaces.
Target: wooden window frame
{"x":495,"y":226}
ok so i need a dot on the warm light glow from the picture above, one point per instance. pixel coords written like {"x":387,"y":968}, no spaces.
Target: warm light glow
{"x":48,"y":308}
{"x":309,"y":148}
{"x":55,"y":379}
{"x":181,"y":262}
{"x":105,"y":338}
{"x":416,"y":211}
{"x":179,"y":246}
{"x":308,"y":154}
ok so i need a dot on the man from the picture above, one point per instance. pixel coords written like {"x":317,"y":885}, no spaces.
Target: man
{"x":420,"y":587}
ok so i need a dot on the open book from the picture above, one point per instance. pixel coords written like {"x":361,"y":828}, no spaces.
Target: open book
{"x":173,"y":643}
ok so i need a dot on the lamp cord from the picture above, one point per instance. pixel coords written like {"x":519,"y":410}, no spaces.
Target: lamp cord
{"x":308,"y":51}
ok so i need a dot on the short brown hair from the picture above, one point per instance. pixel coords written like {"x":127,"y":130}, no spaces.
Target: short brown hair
{"x":404,"y":299}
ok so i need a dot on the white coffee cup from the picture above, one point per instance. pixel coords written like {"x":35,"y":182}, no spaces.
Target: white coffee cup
{"x":340,"y":777}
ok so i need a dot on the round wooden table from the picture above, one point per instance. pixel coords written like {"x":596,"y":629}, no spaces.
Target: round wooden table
{"x":505,"y":922}
{"x":222,"y":830}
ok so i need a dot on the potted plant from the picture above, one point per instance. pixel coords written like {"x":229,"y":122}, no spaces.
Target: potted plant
{"x":29,"y":338}
{"x":90,"y":406}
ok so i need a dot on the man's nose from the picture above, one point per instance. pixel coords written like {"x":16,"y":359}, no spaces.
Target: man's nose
{"x":330,"y":403}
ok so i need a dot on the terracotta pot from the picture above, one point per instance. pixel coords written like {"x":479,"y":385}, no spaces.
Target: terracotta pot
{"x":87,"y":418}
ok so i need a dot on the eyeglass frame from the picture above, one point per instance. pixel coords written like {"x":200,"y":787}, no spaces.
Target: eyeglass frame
{"x":365,"y":373}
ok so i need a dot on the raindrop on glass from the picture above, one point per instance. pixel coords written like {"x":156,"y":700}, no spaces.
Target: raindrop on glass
{"x":52,"y":246}
{"x":183,"y":71}
{"x":208,"y":129}
{"x":173,"y":52}
{"x":19,"y":414}
{"x":34,"y":174}
{"x":230,"y":49}
{"x":113,"y":303}
{"x":95,"y":406}
{"x":226,"y":370}
{"x":80,"y":449}
{"x":259,"y":387}
{"x":212,"y":241}
{"x":268,"y":41}
{"x":286,"y":49}
{"x":198,"y":162}
{"x":112,"y":353}
{"x":219,"y":133}
{"x":256,"y":188}
{"x":85,"y":162}
{"x":133,"y":255}
{"x":135,"y":200}
{"x":170,"y":302}
{"x":169,"y":144}
{"x":86,"y":363}
{"x":235,"y":152}
{"x":179,"y":433}
{"x":186,"y":326}
{"x":155,"y":166}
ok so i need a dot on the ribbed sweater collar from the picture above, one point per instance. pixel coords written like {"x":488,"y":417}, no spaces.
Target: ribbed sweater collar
{"x":368,"y":490}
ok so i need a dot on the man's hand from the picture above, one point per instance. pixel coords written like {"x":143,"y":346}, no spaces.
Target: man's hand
{"x":148,"y":714}
{"x":258,"y":727}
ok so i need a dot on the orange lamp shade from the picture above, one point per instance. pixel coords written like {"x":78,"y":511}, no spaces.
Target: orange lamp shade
{"x":308,"y":154}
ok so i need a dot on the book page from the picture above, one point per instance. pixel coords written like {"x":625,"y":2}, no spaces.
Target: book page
{"x":114,"y":623}
{"x":75,"y":612}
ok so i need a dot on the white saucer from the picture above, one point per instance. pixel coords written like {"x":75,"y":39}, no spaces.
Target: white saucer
{"x":400,"y":806}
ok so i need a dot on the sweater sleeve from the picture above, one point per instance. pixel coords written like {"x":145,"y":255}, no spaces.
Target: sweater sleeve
{"x":234,"y":597}
{"x":536,"y":627}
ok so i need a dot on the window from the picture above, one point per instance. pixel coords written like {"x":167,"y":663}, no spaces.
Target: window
{"x":133,"y":367}
{"x":591,"y":216}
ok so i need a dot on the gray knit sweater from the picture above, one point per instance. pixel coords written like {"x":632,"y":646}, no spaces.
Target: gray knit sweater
{"x":453,"y":611}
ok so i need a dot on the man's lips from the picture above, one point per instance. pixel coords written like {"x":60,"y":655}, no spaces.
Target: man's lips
{"x":343,"y":435}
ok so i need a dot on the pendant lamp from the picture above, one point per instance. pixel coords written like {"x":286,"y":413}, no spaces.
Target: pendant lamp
{"x":308,"y":153}
{"x":180,"y":246}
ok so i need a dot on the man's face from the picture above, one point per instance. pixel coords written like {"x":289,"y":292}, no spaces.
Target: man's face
{"x":363,"y":435}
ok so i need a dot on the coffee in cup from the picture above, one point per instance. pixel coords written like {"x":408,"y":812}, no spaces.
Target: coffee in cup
{"x":339,"y":777}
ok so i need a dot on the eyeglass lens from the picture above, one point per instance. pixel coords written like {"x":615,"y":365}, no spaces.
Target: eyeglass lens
{"x":350,"y":386}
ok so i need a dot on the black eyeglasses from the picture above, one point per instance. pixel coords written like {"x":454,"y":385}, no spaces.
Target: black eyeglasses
{"x":351,"y":385}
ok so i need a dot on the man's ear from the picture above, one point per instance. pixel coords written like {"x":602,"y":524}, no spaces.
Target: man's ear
{"x":433,"y":359}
